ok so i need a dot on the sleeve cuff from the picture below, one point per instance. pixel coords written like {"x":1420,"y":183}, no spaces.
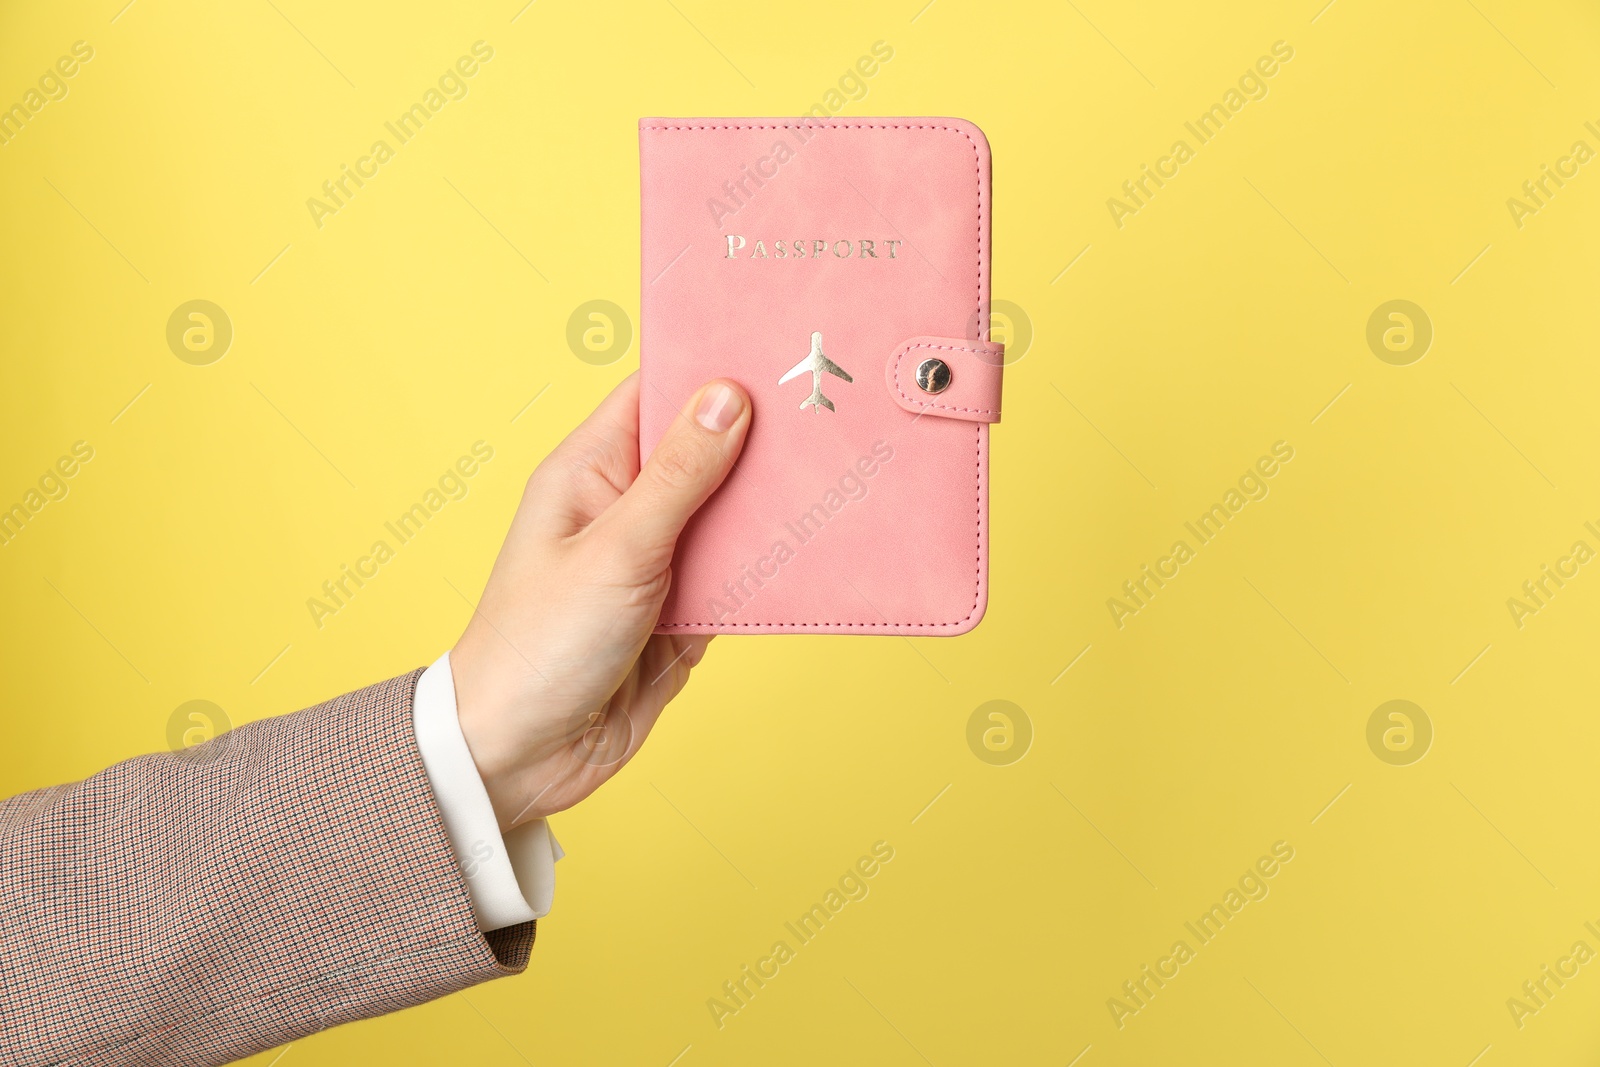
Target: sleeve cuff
{"x":511,"y":879}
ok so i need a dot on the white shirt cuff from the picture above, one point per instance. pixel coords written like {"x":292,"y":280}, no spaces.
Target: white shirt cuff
{"x":510,"y":878}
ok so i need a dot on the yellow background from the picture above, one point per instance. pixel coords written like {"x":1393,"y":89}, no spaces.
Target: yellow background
{"x":1224,"y":316}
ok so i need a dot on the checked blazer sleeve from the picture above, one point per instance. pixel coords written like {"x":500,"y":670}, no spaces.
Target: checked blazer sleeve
{"x":200,"y":906}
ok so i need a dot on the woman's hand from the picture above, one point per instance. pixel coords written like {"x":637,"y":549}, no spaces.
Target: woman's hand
{"x":558,"y":678}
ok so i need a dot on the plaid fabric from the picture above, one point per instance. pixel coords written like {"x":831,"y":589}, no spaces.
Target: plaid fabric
{"x":196,"y":907}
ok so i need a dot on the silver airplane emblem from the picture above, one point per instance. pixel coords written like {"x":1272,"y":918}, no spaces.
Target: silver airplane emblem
{"x":816,"y":363}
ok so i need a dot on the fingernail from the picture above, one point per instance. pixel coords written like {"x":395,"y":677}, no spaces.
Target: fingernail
{"x":720,"y":407}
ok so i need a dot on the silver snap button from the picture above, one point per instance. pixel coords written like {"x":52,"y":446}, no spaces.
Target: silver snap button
{"x":933,"y":376}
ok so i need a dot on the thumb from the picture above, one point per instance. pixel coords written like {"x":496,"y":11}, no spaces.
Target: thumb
{"x":691,"y":460}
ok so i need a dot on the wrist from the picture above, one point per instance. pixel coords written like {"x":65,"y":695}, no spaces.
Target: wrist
{"x":479,"y":718}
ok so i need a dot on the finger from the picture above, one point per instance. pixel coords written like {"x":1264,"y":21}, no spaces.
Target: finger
{"x":699,"y":653}
{"x":668,"y":660}
{"x":616,"y":418}
{"x":589,"y":469}
{"x":608,"y":437}
{"x":664,"y":669}
{"x":685,"y":652}
{"x":688,"y":464}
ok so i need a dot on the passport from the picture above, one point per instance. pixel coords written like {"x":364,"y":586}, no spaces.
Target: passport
{"x":837,"y":269}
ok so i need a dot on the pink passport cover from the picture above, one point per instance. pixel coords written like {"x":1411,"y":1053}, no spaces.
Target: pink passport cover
{"x":857,"y":506}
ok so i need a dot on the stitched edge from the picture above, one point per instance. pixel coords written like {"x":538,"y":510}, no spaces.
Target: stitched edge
{"x":977,"y":171}
{"x":934,"y":405}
